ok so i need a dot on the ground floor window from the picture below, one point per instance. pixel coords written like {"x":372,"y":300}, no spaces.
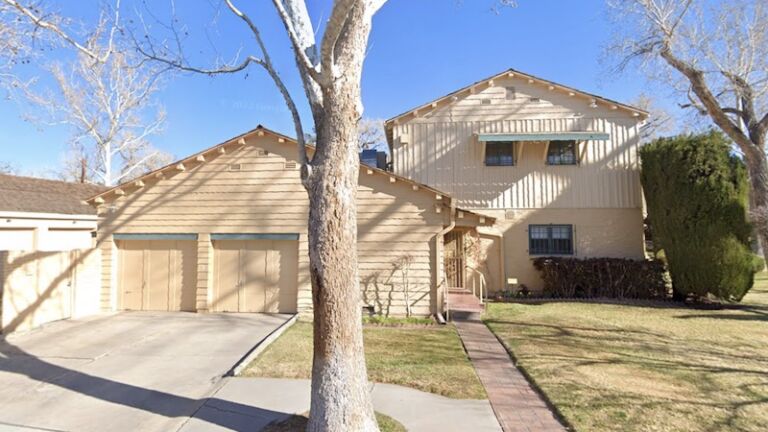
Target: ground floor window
{"x":550,"y":239}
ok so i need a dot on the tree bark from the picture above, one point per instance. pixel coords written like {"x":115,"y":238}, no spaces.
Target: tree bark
{"x":341,"y":399}
{"x":757,"y":167}
{"x":340,"y":395}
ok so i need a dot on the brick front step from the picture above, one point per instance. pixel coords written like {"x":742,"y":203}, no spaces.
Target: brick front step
{"x":463,"y":304}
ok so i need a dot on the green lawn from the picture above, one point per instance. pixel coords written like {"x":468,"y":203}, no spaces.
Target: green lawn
{"x":431,"y":359}
{"x":625,"y":368}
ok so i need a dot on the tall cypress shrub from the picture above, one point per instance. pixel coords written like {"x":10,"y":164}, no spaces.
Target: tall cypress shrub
{"x":696,"y":192}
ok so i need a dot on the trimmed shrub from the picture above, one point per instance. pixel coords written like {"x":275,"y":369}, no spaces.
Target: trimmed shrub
{"x":696,"y":192}
{"x":602,"y":277}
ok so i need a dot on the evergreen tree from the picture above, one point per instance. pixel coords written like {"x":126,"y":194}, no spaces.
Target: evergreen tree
{"x":696,"y":192}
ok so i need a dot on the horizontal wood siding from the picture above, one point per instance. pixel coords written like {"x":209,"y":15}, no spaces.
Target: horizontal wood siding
{"x":247,"y":191}
{"x":439,"y":148}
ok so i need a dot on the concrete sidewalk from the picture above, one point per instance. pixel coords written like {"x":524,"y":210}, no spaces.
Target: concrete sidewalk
{"x":249,"y":404}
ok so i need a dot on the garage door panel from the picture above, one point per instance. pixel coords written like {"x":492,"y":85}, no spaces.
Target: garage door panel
{"x":186,"y":262}
{"x":131,"y":274}
{"x":227,"y":278}
{"x":287,"y":277}
{"x":254,"y":279}
{"x":158,"y":275}
{"x":159,"y":278}
{"x":266,"y":275}
{"x":272,"y":288}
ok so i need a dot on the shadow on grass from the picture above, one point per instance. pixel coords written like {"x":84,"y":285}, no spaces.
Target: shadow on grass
{"x":631,"y":378}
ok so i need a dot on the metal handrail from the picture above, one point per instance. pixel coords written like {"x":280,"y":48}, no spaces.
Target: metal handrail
{"x":483,"y":284}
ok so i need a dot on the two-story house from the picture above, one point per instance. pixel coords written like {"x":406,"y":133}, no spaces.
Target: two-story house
{"x":484,"y":179}
{"x":557,"y":168}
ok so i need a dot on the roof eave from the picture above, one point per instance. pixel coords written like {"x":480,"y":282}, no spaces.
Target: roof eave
{"x":261,"y":130}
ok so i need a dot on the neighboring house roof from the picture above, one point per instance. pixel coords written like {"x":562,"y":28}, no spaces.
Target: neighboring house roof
{"x":36,"y":195}
{"x":259,"y":131}
{"x":512,"y":73}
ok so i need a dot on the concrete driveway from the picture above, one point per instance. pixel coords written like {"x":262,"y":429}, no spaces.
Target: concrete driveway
{"x":124,"y":372}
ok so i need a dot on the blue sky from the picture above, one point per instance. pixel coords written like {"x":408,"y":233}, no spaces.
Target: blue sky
{"x":419,"y":50}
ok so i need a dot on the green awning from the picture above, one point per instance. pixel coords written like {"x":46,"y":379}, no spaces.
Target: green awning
{"x":254,"y":236}
{"x":154,"y":236}
{"x":545,"y":136}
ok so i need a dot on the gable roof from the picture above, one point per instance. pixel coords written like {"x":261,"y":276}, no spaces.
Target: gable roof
{"x":36,"y":195}
{"x":512,"y":73}
{"x":260,"y":130}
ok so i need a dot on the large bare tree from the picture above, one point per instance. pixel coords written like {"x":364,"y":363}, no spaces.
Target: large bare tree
{"x":716,"y":55}
{"x":111,"y":109}
{"x":106,"y":95}
{"x":330,"y":68}
{"x":331,"y":71}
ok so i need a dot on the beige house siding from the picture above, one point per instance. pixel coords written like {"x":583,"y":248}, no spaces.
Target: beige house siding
{"x":440,"y":149}
{"x":40,"y":287}
{"x":255,"y":188}
{"x":601,"y":197}
{"x":597,"y":233}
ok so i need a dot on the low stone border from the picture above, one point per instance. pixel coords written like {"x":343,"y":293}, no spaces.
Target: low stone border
{"x":237,"y":369}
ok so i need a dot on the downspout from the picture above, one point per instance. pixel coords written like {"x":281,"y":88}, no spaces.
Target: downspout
{"x":438,"y":256}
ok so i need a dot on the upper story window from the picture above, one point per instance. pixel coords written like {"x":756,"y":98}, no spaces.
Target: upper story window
{"x":562,"y":153}
{"x":550,"y":239}
{"x":500,"y":153}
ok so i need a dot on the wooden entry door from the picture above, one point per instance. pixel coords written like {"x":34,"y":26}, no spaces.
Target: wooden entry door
{"x":454,"y":259}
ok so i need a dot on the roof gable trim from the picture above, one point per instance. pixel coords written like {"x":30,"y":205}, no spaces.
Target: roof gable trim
{"x":511,"y":73}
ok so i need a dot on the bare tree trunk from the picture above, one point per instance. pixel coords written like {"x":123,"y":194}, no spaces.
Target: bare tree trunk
{"x":757,"y":167}
{"x":340,"y":395}
{"x":341,"y":399}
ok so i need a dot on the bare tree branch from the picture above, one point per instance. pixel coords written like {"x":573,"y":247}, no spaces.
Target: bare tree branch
{"x":296,"y":20}
{"x":179,"y":62}
{"x":56,"y":29}
{"x":110,"y":109}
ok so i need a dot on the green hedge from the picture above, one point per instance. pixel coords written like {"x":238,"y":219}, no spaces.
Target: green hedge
{"x":696,"y":191}
{"x":602,"y":278}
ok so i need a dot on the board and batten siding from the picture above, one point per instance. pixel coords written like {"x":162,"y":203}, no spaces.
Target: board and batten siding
{"x":255,"y":188}
{"x":439,"y":148}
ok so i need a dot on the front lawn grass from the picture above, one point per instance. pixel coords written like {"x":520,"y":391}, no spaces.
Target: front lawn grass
{"x":610,"y":367}
{"x":430,"y":359}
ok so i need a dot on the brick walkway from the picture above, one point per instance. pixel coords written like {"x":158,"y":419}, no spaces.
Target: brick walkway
{"x":518,"y":407}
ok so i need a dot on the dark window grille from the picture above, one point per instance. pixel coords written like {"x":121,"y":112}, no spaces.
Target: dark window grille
{"x":561,"y":153}
{"x":550,"y":239}
{"x":500,"y":153}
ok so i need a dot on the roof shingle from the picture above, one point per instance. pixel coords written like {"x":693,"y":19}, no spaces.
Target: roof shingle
{"x":29,"y":194}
